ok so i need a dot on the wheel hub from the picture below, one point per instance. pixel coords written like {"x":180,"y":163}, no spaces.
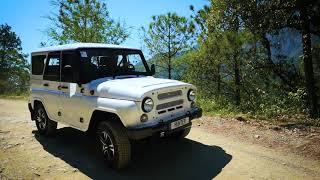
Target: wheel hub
{"x":41,"y":119}
{"x":107,"y":145}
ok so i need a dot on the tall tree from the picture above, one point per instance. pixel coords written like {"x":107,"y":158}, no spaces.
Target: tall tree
{"x":14,"y":68}
{"x":200,"y":20}
{"x":305,"y":8}
{"x":234,"y":60}
{"x":225,"y":18}
{"x":85,"y":21}
{"x":269,"y":17}
{"x":167,"y":36}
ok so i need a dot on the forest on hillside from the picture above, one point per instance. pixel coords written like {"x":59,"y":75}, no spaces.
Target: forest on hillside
{"x":260,"y":58}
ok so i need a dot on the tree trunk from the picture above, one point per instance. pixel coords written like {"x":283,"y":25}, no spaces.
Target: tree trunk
{"x":169,"y":69}
{"x":237,"y":80}
{"x":219,"y":80}
{"x":274,"y":68}
{"x":267,"y":45}
{"x":236,"y":65}
{"x":308,"y":65}
{"x":169,"y":52}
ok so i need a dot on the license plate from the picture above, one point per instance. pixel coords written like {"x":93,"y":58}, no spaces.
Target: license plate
{"x":179,"y":123}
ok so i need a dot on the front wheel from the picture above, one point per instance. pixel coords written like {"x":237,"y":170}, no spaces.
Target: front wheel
{"x":44,"y":125}
{"x":114,"y":144}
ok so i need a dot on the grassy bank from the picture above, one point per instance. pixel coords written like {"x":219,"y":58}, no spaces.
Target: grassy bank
{"x":275,"y":116}
{"x":15,"y":96}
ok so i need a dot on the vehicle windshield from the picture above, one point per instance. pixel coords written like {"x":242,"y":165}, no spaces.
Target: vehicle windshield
{"x":100,"y":63}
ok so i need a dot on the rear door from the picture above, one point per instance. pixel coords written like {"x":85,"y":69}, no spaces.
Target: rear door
{"x":51,"y":82}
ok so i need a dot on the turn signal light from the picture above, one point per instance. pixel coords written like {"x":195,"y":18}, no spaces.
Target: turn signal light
{"x":193,"y":104}
{"x":144,"y":118}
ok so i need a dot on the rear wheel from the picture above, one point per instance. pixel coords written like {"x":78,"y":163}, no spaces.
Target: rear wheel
{"x":44,"y":125}
{"x":114,"y":144}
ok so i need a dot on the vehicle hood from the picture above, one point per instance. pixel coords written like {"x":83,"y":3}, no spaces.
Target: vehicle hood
{"x":132,"y":88}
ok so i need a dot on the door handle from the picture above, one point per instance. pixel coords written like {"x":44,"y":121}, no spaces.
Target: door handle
{"x":62,"y":87}
{"x":46,"y":84}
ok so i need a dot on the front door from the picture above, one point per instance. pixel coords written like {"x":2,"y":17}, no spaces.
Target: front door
{"x":71,"y":98}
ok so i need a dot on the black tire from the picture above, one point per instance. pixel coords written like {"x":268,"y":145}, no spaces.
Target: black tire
{"x":117,"y":154}
{"x":181,"y":134}
{"x":44,"y":125}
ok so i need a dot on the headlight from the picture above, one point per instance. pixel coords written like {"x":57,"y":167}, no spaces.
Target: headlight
{"x":147,"y":104}
{"x":191,"y":95}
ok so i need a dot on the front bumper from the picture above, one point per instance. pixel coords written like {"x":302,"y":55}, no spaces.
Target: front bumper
{"x":163,"y":127}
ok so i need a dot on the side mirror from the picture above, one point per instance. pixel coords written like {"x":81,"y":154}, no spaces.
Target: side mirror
{"x":153,"y":69}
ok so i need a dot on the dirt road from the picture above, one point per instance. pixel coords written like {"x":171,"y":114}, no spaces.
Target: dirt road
{"x":202,"y":155}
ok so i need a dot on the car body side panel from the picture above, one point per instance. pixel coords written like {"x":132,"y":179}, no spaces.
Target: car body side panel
{"x":84,"y":106}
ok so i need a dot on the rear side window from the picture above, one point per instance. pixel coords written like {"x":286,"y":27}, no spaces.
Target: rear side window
{"x":52,"y":70}
{"x":38,"y":64}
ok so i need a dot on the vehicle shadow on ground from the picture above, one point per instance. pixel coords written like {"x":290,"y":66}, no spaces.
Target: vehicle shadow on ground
{"x":157,"y":159}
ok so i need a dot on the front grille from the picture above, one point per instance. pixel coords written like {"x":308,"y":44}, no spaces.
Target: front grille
{"x":169,"y":104}
{"x":168,"y":95}
{"x":170,"y":109}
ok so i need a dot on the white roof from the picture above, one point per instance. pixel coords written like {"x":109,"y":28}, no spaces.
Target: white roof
{"x":80,"y":45}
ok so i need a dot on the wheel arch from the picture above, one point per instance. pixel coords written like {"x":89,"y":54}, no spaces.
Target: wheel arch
{"x":99,"y":116}
{"x":35,"y":102}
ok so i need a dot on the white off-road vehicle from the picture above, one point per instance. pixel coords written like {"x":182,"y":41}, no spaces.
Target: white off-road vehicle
{"x":108,"y":90}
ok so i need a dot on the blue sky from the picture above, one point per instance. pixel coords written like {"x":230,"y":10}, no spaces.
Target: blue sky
{"x":26,"y":17}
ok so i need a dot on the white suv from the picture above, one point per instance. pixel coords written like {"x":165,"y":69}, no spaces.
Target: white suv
{"x":109,"y":90}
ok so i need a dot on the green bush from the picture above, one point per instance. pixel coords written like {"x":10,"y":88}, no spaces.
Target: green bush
{"x":265,"y":105}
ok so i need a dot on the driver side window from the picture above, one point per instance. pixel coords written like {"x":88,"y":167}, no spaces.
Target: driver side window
{"x":136,"y":61}
{"x":69,"y":67}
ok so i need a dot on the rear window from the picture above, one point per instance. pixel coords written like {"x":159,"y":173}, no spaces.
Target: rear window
{"x":37,"y":64}
{"x":52,"y":71}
